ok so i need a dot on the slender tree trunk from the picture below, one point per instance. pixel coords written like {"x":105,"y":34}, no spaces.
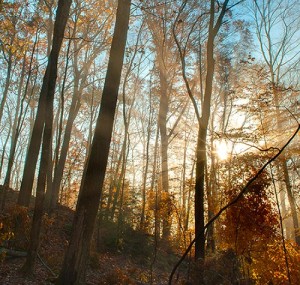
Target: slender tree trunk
{"x":20,"y":113}
{"x":109,"y":212}
{"x":162,"y":124}
{"x":284,"y":167}
{"x":160,"y":41}
{"x":154,"y":169}
{"x":201,"y":145}
{"x":15,"y":129}
{"x":184,"y":192}
{"x":122,"y":186}
{"x":37,"y":131}
{"x":27,"y":268}
{"x":199,"y":194}
{"x":116,"y":185}
{"x":291,"y":199}
{"x":6,"y":86}
{"x":3,"y":151}
{"x":93,"y":114}
{"x":73,"y":112}
{"x":211,"y":193}
{"x":145,"y":174}
{"x":14,"y":139}
{"x":203,"y":120}
{"x":202,"y":134}
{"x":58,"y":171}
{"x":74,"y":264}
{"x":126,"y":121}
{"x":62,"y":15}
{"x":34,"y":147}
{"x":188,"y":208}
{"x":51,"y":186}
{"x":273,"y":49}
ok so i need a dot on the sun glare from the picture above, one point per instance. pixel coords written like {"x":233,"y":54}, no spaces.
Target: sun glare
{"x":222,"y":150}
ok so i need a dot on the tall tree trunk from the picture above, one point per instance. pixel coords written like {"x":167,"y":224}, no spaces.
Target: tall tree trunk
{"x":74,"y":264}
{"x":188,"y":207}
{"x":202,"y":134}
{"x":154,"y":168}
{"x":27,"y":268}
{"x":114,"y":170}
{"x":20,"y":112}
{"x":34,"y":146}
{"x":73,"y":112}
{"x":284,"y":167}
{"x":185,"y":187}
{"x":15,"y":129}
{"x":199,"y":194}
{"x":291,"y":199}
{"x":162,"y":124}
{"x":145,"y":174}
{"x":161,"y":42}
{"x":203,"y":120}
{"x":6,"y":86}
{"x":53,"y":192}
{"x":4,"y":150}
{"x":211,"y":192}
{"x":62,"y":15}
{"x":116,"y":184}
{"x":14,"y":138}
{"x":50,"y":186}
{"x":38,"y":126}
{"x":273,"y":49}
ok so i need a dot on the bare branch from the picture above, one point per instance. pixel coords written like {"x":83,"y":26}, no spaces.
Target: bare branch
{"x":182,"y":59}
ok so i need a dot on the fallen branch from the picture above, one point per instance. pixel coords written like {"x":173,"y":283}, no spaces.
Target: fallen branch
{"x":12,"y":252}
{"x":44,"y":263}
{"x":232,"y":202}
{"x":18,"y":253}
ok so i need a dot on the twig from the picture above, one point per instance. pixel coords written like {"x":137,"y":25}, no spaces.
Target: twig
{"x":44,"y":263}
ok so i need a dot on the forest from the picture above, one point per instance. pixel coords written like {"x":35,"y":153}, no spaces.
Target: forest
{"x":150,"y":142}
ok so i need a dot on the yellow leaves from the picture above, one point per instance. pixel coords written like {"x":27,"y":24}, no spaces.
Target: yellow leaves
{"x":270,"y":265}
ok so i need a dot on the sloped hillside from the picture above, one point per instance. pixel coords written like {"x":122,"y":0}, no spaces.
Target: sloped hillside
{"x":135,"y":261}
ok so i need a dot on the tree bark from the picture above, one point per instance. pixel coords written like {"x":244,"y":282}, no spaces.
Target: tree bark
{"x":37,"y":129}
{"x":15,"y":129}
{"x":202,"y":134}
{"x":14,"y":138}
{"x":203,"y":120}
{"x":6,"y":86}
{"x":20,"y":113}
{"x":291,"y":199}
{"x":74,"y":264}
{"x":162,"y":124}
{"x":62,"y":15}
{"x":146,"y":167}
{"x":160,"y":41}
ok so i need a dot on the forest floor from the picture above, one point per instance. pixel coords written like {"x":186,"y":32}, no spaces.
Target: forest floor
{"x":106,"y":266}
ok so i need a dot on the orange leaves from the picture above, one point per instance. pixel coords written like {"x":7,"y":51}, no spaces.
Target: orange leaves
{"x":161,"y":202}
{"x":15,"y":227}
{"x":251,"y":229}
{"x":271,"y":264}
{"x":252,"y":218}
{"x":16,"y":29}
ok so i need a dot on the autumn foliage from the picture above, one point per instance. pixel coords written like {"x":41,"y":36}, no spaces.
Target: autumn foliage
{"x":251,"y":229}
